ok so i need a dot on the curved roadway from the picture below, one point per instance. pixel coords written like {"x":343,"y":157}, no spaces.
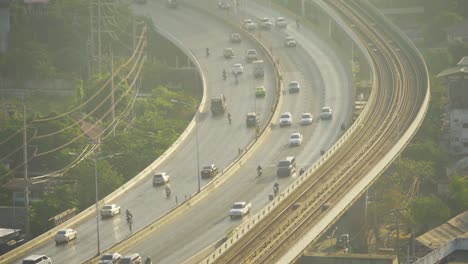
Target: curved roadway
{"x":218,"y":141}
{"x":327,"y":83}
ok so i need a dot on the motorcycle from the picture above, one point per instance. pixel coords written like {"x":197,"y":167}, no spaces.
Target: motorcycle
{"x":129,"y":219}
{"x":168,"y":192}
{"x":259,"y":172}
{"x":275,"y":189}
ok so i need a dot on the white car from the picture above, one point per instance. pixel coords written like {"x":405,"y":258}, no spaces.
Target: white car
{"x":281,"y":22}
{"x":110,"y":210}
{"x":265,"y":23}
{"x":237,"y":69}
{"x":249,"y":25}
{"x":306,"y":119}
{"x":160,"y":178}
{"x":326,"y":113}
{"x":37,"y":259}
{"x":285,"y":119}
{"x":65,"y":235}
{"x":239,"y":209}
{"x":110,"y":258}
{"x":295,"y":139}
{"x":235,"y":38}
{"x":290,"y":42}
{"x":223,"y":5}
{"x":294,"y":87}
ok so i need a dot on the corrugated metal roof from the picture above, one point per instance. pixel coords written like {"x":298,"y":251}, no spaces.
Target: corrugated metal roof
{"x":463,"y":61}
{"x":455,"y":227}
{"x":454,"y":70}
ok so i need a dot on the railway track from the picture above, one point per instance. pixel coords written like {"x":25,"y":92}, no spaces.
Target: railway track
{"x":399,"y":89}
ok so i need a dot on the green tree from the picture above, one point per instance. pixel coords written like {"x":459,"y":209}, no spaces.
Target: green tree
{"x":428,"y":211}
{"x":53,"y":203}
{"x":84,"y":176}
{"x":459,"y":189}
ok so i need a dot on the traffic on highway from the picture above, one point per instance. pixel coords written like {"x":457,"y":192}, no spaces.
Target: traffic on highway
{"x":291,"y":122}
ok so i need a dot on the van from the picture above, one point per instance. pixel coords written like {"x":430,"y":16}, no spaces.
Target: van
{"x":286,"y":166}
{"x":131,"y":259}
{"x":37,"y":259}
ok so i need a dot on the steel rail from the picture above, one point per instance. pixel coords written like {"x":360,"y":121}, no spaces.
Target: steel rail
{"x":264,"y":244}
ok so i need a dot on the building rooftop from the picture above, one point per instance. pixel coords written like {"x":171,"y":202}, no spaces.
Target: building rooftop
{"x":463,"y":61}
{"x":455,"y":227}
{"x":453,"y":70}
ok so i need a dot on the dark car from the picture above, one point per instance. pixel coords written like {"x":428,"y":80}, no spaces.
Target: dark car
{"x":209,"y":171}
{"x":252,"y":119}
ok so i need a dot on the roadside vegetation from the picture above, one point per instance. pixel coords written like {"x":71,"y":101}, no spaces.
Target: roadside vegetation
{"x":52,"y":43}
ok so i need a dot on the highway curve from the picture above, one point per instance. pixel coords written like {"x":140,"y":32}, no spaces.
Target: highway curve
{"x":196,"y":226}
{"x":218,"y":143}
{"x":397,"y":106}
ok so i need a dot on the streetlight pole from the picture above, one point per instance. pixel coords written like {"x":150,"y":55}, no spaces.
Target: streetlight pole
{"x":196,"y":139}
{"x":97,"y":206}
{"x":95,"y":160}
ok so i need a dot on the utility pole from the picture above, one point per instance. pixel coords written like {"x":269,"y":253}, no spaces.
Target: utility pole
{"x":112,"y":91}
{"x":26,"y":179}
{"x":99,"y":36}
{"x":96,"y":20}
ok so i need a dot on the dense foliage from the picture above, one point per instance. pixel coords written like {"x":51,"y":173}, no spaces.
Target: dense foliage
{"x":52,"y":44}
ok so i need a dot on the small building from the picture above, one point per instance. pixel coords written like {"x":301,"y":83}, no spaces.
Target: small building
{"x":447,"y":243}
{"x":457,"y":90}
{"x":458,"y":32}
{"x":37,"y":188}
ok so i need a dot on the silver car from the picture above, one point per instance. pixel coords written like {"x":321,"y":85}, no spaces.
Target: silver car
{"x":306,"y":119}
{"x":285,"y":119}
{"x":65,"y":235}
{"x":110,"y":258}
{"x":160,"y":178}
{"x":326,"y":113}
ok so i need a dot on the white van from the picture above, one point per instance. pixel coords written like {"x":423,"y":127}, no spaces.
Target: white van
{"x":286,"y":167}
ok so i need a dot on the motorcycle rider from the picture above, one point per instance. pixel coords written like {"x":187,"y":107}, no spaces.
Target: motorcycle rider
{"x":259,"y":170}
{"x":275,"y":188}
{"x":148,"y":260}
{"x":168,"y":191}
{"x":129,"y":215}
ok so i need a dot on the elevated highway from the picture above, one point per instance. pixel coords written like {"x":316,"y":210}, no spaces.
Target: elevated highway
{"x":397,"y":107}
{"x":218,"y":142}
{"x":195,"y":228}
{"x":181,"y":235}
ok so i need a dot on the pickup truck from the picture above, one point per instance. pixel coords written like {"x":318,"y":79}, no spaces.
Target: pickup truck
{"x":239,"y":209}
